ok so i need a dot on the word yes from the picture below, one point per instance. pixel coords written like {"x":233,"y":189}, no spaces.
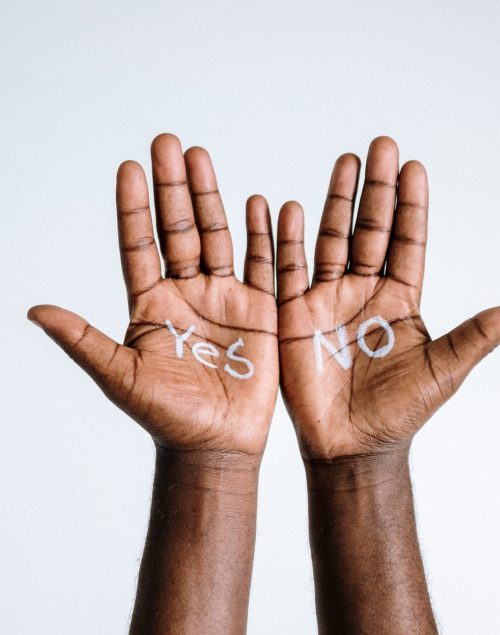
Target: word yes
{"x":202,"y":350}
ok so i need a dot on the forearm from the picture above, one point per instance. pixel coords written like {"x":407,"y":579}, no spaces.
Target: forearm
{"x":368,"y":570}
{"x":197,"y":563}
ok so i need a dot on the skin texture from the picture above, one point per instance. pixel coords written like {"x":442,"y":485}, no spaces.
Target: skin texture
{"x":209,"y":427}
{"x":354,"y":425}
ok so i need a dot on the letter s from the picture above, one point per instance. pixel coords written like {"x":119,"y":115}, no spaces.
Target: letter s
{"x":230,"y":353}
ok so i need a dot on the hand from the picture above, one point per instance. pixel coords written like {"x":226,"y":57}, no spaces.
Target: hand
{"x":199,"y":367}
{"x":359,"y":370}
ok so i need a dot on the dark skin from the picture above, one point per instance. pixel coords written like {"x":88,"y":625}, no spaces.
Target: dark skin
{"x":355,"y":424}
{"x":209,"y":426}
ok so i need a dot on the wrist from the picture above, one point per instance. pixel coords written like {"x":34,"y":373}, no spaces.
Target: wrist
{"x":216,"y":471}
{"x":359,"y":472}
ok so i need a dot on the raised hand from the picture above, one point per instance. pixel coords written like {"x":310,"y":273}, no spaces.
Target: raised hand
{"x":199,"y":371}
{"x":359,"y":370}
{"x":199,"y":366}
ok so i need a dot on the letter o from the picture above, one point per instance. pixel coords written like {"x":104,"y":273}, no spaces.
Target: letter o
{"x":380,"y":352}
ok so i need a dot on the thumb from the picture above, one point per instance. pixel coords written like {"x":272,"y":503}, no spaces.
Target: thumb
{"x":95,"y":352}
{"x":467,"y":344}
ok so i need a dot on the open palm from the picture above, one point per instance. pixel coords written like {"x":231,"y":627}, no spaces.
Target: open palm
{"x":199,"y":365}
{"x":359,"y":369}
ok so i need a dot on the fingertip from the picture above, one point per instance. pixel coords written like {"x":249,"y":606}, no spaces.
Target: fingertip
{"x":37,"y":312}
{"x":291,"y":218}
{"x":413,"y":184}
{"x":348,"y":160}
{"x":195,"y":154}
{"x":345,"y":175}
{"x":130,"y":172}
{"x":256,"y":204}
{"x":292,"y":208}
{"x":200,"y":170}
{"x":164,"y":142}
{"x":129,"y":167}
{"x":384,"y":143}
{"x":414,"y":168}
{"x":257,"y":200}
{"x":32,"y":314}
{"x":167,"y":159}
{"x":49,"y":317}
{"x":258,"y":218}
{"x":131,"y":185}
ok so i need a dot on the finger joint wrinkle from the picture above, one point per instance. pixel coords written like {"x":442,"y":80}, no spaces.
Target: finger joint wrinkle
{"x":380,"y":183}
{"x":142,"y":243}
{"x":179,"y":183}
{"x":412,"y":205}
{"x":87,"y":329}
{"x":254,"y":233}
{"x":290,"y":298}
{"x":451,"y":344}
{"x":221,"y":271}
{"x":330,"y":232}
{"x":136,"y":294}
{"x":181,"y":226}
{"x":479,"y":327}
{"x":115,"y":352}
{"x":369,"y":225}
{"x":408,"y":240}
{"x":206,"y":193}
{"x":259,"y":259}
{"x":292,"y":267}
{"x":341,"y":197}
{"x":132,"y":210}
{"x":181,"y":269}
{"x":214,"y":227}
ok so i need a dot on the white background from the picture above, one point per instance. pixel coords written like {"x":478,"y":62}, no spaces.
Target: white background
{"x":275,"y":90}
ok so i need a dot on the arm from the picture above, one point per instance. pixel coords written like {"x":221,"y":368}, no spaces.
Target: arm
{"x":199,"y":371}
{"x":197,"y":564}
{"x":360,"y":375}
{"x":367,"y":566}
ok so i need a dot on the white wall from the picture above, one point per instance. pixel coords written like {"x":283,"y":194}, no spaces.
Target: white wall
{"x":275,"y":90}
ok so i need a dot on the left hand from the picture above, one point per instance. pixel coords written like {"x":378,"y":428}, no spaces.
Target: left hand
{"x":374,"y":376}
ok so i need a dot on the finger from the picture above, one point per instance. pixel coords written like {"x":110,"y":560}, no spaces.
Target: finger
{"x":139,"y":255}
{"x":406,"y":258}
{"x":96,"y":353}
{"x":332,"y":245}
{"x":179,"y":239}
{"x":259,"y":259}
{"x":216,"y":245}
{"x":376,"y":208}
{"x":292,"y":276}
{"x":454,"y":355}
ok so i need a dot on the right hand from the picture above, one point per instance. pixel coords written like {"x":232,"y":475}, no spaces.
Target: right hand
{"x":184,"y":403}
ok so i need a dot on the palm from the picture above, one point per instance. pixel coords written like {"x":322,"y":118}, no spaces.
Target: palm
{"x":199,"y":366}
{"x":355,"y":404}
{"x":359,"y":403}
{"x":184,"y":402}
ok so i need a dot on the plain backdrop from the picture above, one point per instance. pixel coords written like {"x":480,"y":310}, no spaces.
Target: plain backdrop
{"x":275,"y":90}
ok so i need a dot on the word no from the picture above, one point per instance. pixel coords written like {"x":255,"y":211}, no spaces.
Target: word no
{"x":202,"y":350}
{"x":343,"y":354}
